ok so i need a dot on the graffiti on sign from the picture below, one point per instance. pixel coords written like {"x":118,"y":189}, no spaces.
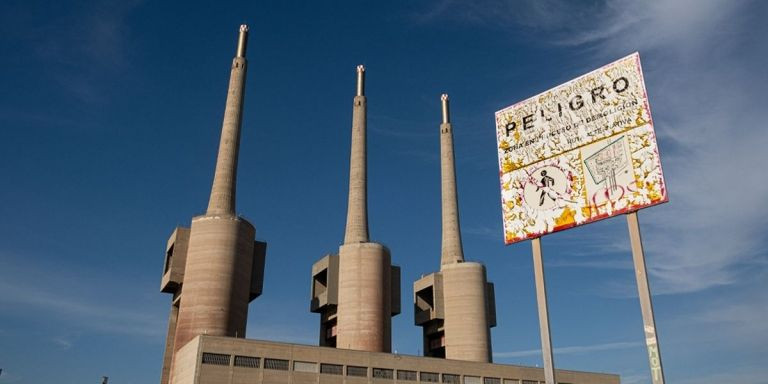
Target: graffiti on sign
{"x":580,"y":152}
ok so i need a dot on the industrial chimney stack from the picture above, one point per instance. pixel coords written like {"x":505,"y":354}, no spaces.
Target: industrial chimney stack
{"x":455,"y":306}
{"x":357,"y":291}
{"x":215,"y":268}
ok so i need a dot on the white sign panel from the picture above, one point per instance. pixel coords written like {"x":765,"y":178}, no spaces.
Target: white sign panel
{"x":580,"y":152}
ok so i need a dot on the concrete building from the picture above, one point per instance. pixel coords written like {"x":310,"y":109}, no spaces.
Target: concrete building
{"x":215,"y":268}
{"x":456,"y":306}
{"x":357,"y":291}
{"x":223,"y":360}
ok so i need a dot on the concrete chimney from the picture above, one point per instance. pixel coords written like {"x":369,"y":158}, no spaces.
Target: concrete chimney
{"x":357,"y":291}
{"x":215,"y":268}
{"x":452,"y":251}
{"x":222,"y":200}
{"x":357,"y":209}
{"x":455,"y":306}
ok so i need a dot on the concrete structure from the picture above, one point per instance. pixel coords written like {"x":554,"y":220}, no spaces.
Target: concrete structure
{"x":357,"y":291}
{"x":215,"y":268}
{"x":455,"y":306}
{"x":221,"y":360}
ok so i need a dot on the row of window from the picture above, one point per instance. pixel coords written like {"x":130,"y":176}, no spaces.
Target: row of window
{"x":351,"y":370}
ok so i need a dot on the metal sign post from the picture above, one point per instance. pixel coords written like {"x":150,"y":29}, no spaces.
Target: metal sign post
{"x":644,"y":293}
{"x":541,"y":300}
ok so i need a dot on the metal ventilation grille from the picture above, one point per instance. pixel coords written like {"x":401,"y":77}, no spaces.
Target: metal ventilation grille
{"x":357,"y":371}
{"x":331,"y":369}
{"x":382,"y":373}
{"x":430,"y":377}
{"x":215,"y":358}
{"x":277,"y":364}
{"x":406,"y":375}
{"x":247,"y":361}
{"x":449,"y":378}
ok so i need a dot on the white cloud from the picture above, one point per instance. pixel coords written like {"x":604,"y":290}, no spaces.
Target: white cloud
{"x":43,"y":291}
{"x":62,"y":342}
{"x":704,"y":69}
{"x":572,"y":350}
{"x":88,"y":315}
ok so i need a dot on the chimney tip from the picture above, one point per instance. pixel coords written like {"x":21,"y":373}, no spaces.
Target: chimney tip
{"x":446,"y":115}
{"x":360,"y":80}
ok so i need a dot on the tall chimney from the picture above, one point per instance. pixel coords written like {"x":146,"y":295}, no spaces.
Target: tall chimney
{"x":455,"y":306}
{"x":451,"y":247}
{"x":215,"y":268}
{"x":357,"y":210}
{"x":368,"y":283}
{"x":222,"y":201}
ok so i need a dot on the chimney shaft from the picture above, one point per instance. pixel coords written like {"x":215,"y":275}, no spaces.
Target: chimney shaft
{"x":222,"y":201}
{"x":357,"y":209}
{"x":452,"y":251}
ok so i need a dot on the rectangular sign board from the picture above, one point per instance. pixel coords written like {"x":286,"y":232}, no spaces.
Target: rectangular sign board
{"x":583,"y":151}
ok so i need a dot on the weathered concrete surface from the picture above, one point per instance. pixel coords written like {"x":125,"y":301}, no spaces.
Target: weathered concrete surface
{"x":364,"y":309}
{"x":467,"y":335}
{"x":217,"y":279}
{"x":222,"y":199}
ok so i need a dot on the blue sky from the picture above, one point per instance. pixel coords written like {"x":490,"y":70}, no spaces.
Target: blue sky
{"x":110,"y":115}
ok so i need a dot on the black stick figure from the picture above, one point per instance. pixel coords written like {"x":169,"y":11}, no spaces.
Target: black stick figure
{"x":546,"y":182}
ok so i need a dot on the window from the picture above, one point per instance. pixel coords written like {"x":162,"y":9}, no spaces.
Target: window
{"x":382,"y":373}
{"x":215,"y":358}
{"x":357,"y":371}
{"x":449,"y":378}
{"x":276,"y":364}
{"x":168,"y":258}
{"x":491,"y":380}
{"x":471,"y":380}
{"x":511,"y":381}
{"x":331,"y":369}
{"x":429,"y":377}
{"x":304,"y":366}
{"x":530,"y":382}
{"x":406,"y":375}
{"x":246,"y":361}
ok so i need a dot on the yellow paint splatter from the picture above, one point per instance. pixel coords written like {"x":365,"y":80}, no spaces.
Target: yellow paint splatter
{"x":567,"y":217}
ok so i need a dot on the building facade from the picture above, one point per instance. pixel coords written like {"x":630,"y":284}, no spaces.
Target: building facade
{"x":215,"y":268}
{"x":223,"y":360}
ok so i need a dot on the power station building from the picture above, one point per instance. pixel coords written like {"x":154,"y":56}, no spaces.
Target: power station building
{"x":214,"y":268}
